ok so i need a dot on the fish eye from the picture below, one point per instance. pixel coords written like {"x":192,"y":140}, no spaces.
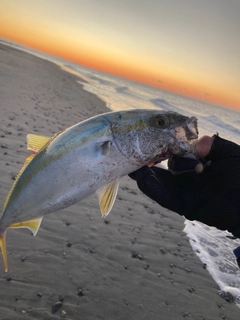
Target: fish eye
{"x":162,"y":122}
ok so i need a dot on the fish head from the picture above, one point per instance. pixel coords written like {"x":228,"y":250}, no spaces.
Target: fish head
{"x":147,"y":136}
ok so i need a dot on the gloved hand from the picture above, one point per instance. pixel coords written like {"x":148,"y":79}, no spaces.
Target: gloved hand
{"x":211,"y":196}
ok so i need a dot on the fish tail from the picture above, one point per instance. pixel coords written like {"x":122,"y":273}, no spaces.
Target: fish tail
{"x":4,"y":250}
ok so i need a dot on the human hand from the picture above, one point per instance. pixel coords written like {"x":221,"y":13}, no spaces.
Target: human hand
{"x":209,"y":193}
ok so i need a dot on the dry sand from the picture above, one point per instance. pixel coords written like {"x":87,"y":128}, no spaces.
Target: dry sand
{"x":137,"y":264}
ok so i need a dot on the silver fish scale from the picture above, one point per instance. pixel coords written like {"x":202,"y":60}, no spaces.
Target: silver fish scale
{"x":89,"y":155}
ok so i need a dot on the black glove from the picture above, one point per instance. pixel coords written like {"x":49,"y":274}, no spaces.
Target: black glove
{"x":211,"y":197}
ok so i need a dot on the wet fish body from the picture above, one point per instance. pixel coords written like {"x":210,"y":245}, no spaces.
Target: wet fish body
{"x":90,"y":157}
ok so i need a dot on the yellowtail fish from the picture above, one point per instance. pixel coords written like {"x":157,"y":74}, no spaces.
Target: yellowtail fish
{"x":90,"y":157}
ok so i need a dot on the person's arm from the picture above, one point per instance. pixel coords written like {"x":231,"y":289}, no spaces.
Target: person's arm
{"x":211,"y":197}
{"x":221,"y":185}
{"x":222,"y":149}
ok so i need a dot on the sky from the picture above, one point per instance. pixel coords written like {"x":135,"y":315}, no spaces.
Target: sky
{"x":188,"y":47}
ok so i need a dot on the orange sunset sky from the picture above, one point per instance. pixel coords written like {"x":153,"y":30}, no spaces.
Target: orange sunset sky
{"x":187,"y":47}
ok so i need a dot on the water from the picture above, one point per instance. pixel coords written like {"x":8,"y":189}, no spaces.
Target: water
{"x":210,"y":245}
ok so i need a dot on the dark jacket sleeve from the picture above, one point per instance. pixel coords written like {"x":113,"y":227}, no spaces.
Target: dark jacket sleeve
{"x":220,"y":188}
{"x":223,"y":149}
{"x":212,"y":197}
{"x":157,"y":184}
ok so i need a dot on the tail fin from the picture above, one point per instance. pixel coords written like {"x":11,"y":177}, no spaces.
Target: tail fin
{"x":4,"y":250}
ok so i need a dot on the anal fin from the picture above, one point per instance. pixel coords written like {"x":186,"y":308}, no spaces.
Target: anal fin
{"x":32,"y":225}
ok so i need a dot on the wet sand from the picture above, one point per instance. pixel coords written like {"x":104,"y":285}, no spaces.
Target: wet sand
{"x":137,"y":264}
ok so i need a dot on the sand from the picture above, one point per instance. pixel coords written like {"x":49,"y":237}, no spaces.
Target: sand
{"x":137,"y":264}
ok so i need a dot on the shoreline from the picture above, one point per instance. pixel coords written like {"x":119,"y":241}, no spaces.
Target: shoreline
{"x":136,"y":264}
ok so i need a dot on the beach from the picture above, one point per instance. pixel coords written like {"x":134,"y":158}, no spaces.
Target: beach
{"x":136,"y":264}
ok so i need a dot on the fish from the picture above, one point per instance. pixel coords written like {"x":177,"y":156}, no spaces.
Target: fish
{"x":91,"y":157}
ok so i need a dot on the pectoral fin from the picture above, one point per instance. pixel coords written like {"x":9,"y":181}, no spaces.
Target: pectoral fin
{"x":32,"y":225}
{"x":106,"y":148}
{"x":36,"y":142}
{"x":4,"y":250}
{"x":107,"y":196}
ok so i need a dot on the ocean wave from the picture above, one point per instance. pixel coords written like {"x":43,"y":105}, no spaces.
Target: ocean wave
{"x":222,"y":124}
{"x":101,"y":80}
{"x":69,"y":66}
{"x":165,"y":105}
{"x":123,"y":89}
{"x":215,"y":250}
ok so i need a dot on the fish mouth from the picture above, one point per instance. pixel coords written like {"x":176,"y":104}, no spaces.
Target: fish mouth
{"x":186,"y":136}
{"x":191,"y":128}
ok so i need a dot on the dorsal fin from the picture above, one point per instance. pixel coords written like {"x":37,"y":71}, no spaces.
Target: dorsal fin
{"x":28,"y":160}
{"x":36,"y":142}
